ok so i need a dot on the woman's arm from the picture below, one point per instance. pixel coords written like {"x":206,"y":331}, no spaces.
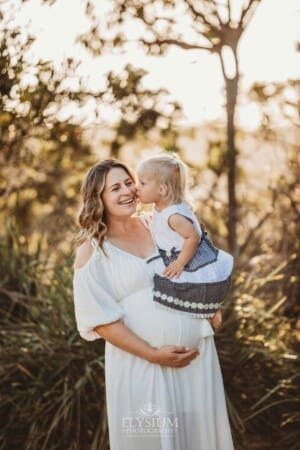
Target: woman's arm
{"x":122,"y":337}
{"x":186,"y":229}
{"x":119,"y":335}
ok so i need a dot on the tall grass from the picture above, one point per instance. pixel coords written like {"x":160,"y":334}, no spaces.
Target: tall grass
{"x":52,"y":382}
{"x":258,"y":346}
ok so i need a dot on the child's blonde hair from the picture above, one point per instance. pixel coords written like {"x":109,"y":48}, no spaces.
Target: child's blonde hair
{"x":170,"y":170}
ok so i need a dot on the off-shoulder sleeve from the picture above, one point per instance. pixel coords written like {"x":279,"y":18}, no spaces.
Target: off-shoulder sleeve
{"x":94,"y":305}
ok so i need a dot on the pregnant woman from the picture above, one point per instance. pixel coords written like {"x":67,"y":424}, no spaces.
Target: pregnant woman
{"x":164,"y":387}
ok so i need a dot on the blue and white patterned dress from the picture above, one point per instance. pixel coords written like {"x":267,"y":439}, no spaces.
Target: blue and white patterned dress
{"x":205,"y":280}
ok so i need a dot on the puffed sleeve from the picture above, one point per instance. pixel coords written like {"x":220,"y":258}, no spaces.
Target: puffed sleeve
{"x":93,"y":303}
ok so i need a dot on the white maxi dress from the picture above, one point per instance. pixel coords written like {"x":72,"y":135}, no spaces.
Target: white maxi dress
{"x":151,"y":407}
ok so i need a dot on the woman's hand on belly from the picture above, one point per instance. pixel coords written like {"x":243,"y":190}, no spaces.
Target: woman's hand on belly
{"x":174,"y":356}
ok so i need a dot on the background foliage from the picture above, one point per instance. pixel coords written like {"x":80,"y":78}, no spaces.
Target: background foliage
{"x":52,"y":382}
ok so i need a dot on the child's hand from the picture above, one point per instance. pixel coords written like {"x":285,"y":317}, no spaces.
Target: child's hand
{"x":216,"y":320}
{"x":174,"y":269}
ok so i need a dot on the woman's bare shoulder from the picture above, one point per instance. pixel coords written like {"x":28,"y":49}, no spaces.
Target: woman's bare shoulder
{"x":83,"y":254}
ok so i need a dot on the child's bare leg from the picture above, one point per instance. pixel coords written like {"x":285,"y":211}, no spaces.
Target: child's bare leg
{"x":216,"y":320}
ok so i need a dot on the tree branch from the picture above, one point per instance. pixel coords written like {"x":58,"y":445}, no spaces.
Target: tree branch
{"x":294,"y":204}
{"x":260,"y":223}
{"x":198,"y":14}
{"x":202,"y":35}
{"x":253,"y":230}
{"x":181,"y":44}
{"x":247,"y":13}
{"x":222,"y":65}
{"x":229,"y":11}
{"x":150,"y":23}
{"x":214,"y":11}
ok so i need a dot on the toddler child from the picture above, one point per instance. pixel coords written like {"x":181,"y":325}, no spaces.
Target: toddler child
{"x":191,"y":275}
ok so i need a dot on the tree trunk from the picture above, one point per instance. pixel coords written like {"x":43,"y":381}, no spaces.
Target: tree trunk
{"x":231,"y":96}
{"x":231,"y":87}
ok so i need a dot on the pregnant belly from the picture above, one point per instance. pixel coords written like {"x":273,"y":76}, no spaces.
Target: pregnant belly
{"x":162,"y":326}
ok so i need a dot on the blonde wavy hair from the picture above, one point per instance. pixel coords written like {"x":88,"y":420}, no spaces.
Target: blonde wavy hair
{"x":170,"y":170}
{"x":91,"y":217}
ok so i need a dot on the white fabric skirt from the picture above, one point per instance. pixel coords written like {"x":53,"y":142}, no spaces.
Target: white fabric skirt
{"x":151,"y":407}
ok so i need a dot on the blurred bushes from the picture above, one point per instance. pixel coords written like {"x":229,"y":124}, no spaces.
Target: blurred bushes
{"x":258,"y":346}
{"x":52,"y":382}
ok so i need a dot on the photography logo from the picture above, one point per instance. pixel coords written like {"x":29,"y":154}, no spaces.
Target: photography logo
{"x":150,"y":420}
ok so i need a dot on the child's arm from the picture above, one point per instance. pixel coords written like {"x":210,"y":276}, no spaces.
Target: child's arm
{"x":186,"y":229}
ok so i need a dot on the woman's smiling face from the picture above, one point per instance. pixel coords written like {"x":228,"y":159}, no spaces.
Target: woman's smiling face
{"x":119,"y":194}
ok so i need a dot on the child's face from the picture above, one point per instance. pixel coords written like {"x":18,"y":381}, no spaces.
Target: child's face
{"x":148,"y":189}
